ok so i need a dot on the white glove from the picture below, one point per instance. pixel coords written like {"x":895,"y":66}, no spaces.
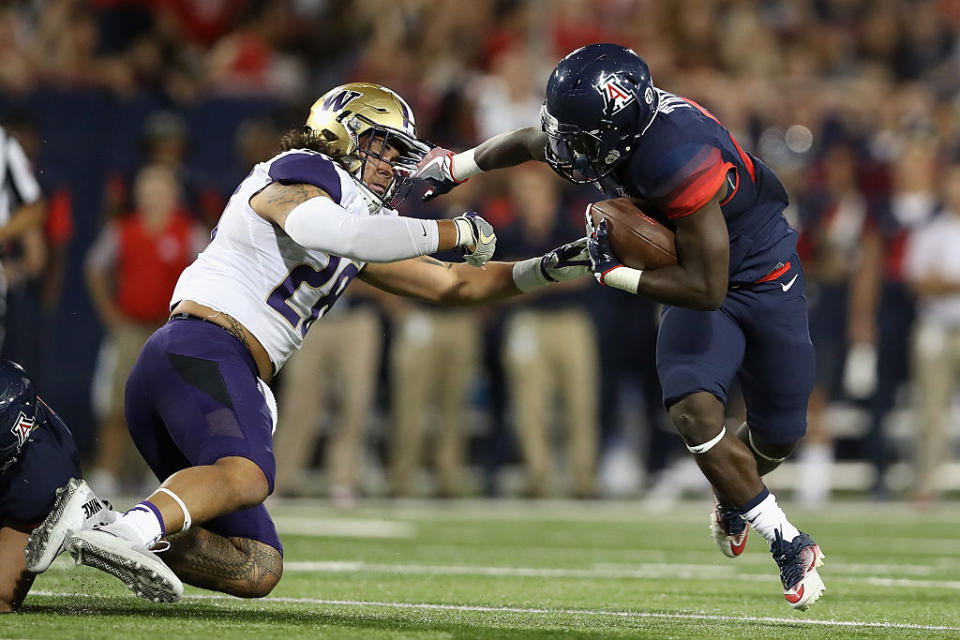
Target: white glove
{"x":476,"y":237}
{"x":443,"y":171}
{"x":567,"y":262}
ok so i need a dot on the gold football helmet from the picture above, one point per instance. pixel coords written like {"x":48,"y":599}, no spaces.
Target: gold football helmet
{"x":354,"y":115}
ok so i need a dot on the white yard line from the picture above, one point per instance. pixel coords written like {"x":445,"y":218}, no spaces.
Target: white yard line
{"x":651,"y":571}
{"x":606,"y":511}
{"x":639,"y":615}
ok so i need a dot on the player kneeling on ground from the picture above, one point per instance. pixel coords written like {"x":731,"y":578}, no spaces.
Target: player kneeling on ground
{"x":296,"y":232}
{"x":40,"y":487}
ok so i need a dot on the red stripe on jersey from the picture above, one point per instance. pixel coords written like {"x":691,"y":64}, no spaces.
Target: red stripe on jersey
{"x":736,"y":187}
{"x":703,"y":110}
{"x":747,"y":161}
{"x":776,"y":273}
{"x":702,"y":183}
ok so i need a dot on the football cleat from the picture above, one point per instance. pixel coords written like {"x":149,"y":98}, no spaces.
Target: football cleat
{"x":798,"y":561}
{"x":108,"y":549}
{"x":728,"y":528}
{"x":76,"y":508}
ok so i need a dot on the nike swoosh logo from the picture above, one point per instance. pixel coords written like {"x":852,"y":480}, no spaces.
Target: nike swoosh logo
{"x":487,"y":239}
{"x":794,"y":598}
{"x":424,"y":229}
{"x":786,"y":287}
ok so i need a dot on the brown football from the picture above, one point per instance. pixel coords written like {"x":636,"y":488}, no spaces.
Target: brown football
{"x":637,"y":240}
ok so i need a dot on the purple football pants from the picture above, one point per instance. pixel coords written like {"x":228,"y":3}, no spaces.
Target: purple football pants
{"x":192,"y":399}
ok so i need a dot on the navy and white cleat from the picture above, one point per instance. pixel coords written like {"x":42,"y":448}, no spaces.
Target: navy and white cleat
{"x":728,"y":528}
{"x":108,"y":549}
{"x":76,"y":508}
{"x":798,"y":561}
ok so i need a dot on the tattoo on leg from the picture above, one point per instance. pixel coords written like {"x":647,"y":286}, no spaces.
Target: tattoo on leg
{"x":238,"y":566}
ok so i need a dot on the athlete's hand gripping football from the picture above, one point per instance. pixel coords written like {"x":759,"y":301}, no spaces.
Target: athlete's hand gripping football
{"x":602,"y":259}
{"x":476,"y":238}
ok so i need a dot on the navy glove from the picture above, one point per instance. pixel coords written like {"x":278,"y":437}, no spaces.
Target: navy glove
{"x":602,"y":258}
{"x":567,"y":262}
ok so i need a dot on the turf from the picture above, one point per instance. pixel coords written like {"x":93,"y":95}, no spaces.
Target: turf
{"x":479,"y":569}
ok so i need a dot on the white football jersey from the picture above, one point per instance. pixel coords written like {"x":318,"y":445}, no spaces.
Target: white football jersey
{"x":254,"y":272}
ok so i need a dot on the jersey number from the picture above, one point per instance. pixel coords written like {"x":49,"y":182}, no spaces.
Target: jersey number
{"x":284,"y":300}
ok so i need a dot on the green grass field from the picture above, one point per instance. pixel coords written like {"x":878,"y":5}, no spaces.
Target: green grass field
{"x":478,"y":569}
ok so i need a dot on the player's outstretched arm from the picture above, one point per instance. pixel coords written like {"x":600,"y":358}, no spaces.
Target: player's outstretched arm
{"x":459,"y":284}
{"x":443,"y":170}
{"x":313,"y":220}
{"x":698,"y":281}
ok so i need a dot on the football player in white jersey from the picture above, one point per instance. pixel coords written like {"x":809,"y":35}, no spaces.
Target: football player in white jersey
{"x":298,"y":229}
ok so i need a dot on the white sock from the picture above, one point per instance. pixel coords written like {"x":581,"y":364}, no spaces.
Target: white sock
{"x":767,"y":517}
{"x":145,"y":522}
{"x":813,"y":485}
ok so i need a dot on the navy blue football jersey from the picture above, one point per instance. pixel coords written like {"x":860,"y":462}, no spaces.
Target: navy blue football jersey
{"x":682,"y":161}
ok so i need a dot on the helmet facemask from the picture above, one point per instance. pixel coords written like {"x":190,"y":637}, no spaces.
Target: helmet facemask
{"x":360,"y":122}
{"x":373,"y":142}
{"x":582,"y":157}
{"x":600,"y":100}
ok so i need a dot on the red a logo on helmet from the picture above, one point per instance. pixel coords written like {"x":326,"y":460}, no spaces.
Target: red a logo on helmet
{"x":615,"y":95}
{"x":22,"y":428}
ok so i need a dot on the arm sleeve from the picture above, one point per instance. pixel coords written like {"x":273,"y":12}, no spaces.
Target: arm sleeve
{"x":321,"y":224}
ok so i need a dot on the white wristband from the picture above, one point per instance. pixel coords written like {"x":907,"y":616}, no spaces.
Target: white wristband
{"x":623,"y":278}
{"x":527,"y":275}
{"x":463,"y":166}
{"x":464,"y":233}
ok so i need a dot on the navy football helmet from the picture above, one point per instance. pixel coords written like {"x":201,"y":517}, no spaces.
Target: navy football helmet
{"x":20,"y":410}
{"x":599,"y":100}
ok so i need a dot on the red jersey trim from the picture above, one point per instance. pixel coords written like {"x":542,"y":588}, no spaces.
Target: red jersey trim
{"x":747,"y":161}
{"x":776,"y":273}
{"x":736,"y":187}
{"x":695,"y":192}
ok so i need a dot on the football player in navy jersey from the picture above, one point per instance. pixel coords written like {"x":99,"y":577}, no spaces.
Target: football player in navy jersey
{"x":39,"y":485}
{"x":734,"y":305}
{"x":293,"y":236}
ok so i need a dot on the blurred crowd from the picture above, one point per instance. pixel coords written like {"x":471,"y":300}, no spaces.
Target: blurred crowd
{"x":854,"y":103}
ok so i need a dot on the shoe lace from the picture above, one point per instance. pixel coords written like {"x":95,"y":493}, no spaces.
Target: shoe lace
{"x":788,"y":558}
{"x":731,"y":520}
